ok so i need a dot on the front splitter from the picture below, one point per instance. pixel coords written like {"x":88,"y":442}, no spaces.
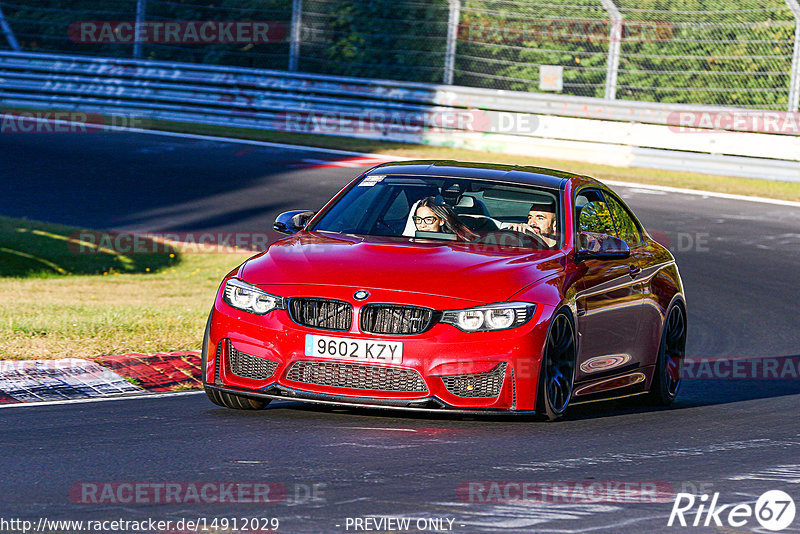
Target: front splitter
{"x":284,"y":393}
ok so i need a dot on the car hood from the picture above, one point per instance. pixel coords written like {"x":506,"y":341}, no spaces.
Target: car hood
{"x":477,"y":273}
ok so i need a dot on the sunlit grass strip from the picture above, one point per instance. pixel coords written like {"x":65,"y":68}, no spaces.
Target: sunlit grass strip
{"x":31,"y":257}
{"x":33,"y":248}
{"x":105,"y":250}
{"x":85,"y":316}
{"x":53,"y":304}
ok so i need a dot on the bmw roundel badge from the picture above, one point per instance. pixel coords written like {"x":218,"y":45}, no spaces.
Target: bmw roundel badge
{"x":361,"y":294}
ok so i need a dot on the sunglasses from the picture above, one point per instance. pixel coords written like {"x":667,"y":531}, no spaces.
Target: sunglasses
{"x":426,"y":220}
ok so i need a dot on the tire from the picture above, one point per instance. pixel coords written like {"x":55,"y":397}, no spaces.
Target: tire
{"x":671,"y":351}
{"x":236,"y":402}
{"x":557,"y":373}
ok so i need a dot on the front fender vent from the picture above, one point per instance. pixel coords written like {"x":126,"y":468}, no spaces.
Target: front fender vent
{"x":477,"y":385}
{"x":249,"y":366}
{"x":217,"y":359}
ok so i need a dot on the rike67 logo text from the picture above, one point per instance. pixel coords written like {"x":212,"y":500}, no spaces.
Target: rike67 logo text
{"x":774,"y":510}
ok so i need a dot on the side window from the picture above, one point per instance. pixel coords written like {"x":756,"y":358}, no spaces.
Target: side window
{"x":592,"y":213}
{"x":626,"y":227}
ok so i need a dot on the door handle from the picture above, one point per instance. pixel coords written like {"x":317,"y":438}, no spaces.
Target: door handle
{"x":634,"y":271}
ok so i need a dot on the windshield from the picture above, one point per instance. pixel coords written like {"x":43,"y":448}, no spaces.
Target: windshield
{"x":446,"y":208}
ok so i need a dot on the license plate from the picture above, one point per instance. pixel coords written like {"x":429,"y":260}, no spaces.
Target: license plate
{"x":354,"y":349}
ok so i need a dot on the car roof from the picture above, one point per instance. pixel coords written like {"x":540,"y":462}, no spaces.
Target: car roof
{"x":518,"y":174}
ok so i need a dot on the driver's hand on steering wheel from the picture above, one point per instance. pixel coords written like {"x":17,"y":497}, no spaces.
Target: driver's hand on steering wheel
{"x":533,"y":231}
{"x":523,"y":227}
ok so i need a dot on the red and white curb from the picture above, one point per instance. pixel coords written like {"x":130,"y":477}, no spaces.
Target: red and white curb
{"x":102,"y":376}
{"x":347,"y":163}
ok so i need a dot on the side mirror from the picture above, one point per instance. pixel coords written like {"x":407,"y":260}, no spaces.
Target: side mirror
{"x":592,"y":246}
{"x":291,"y":222}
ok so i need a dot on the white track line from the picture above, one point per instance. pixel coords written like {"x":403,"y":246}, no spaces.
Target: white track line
{"x":100,"y":399}
{"x":698,"y":192}
{"x":667,"y":189}
{"x":287,"y":146}
{"x":95,"y":128}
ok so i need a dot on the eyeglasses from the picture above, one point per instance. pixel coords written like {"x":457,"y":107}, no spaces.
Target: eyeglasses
{"x":427,"y":220}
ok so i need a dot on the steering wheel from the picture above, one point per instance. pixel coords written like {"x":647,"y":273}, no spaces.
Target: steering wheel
{"x":539,"y":240}
{"x":536,"y":237}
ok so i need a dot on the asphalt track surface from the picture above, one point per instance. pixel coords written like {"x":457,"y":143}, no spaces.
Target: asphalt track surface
{"x":736,"y":437}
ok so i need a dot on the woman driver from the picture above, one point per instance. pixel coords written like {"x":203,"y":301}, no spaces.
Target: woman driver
{"x":433,"y":215}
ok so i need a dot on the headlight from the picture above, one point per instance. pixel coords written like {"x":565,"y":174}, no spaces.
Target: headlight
{"x":249,"y":298}
{"x":500,"y":316}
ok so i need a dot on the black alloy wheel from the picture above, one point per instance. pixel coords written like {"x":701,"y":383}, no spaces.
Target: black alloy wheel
{"x":557,"y":373}
{"x":671,"y":352}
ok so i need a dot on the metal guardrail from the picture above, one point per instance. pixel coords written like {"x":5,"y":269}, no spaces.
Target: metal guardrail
{"x":589,"y":129}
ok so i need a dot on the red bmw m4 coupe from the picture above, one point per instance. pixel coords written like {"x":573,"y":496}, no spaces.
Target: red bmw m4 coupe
{"x":452,"y":287}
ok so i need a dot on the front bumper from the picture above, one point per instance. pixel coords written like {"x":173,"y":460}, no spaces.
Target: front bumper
{"x":430,"y":406}
{"x":450,"y":363}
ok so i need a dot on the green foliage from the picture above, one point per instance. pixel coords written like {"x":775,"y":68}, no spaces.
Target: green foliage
{"x":713,"y":52}
{"x":44,"y":26}
{"x":502,"y":44}
{"x":723,"y":52}
{"x":403,"y":40}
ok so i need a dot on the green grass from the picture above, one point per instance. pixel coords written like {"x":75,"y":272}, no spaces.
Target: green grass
{"x":106,"y":305}
{"x":37,"y":249}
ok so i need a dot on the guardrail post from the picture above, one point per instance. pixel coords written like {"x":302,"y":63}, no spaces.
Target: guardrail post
{"x":294,"y":43}
{"x":794,"y":86}
{"x":452,"y":34}
{"x":12,"y":40}
{"x":614,"y":44}
{"x":141,"y":6}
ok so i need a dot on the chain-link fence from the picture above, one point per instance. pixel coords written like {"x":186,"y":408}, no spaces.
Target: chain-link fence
{"x":741,"y":53}
{"x":107,"y":29}
{"x":404,"y":40}
{"x":502,"y":44}
{"x":730,"y":53}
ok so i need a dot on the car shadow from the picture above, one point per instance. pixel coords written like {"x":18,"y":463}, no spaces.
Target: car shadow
{"x":713,"y":381}
{"x":724,"y":385}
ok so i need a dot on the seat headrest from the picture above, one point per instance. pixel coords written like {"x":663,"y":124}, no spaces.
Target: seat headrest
{"x":468,"y":205}
{"x":466,"y":202}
